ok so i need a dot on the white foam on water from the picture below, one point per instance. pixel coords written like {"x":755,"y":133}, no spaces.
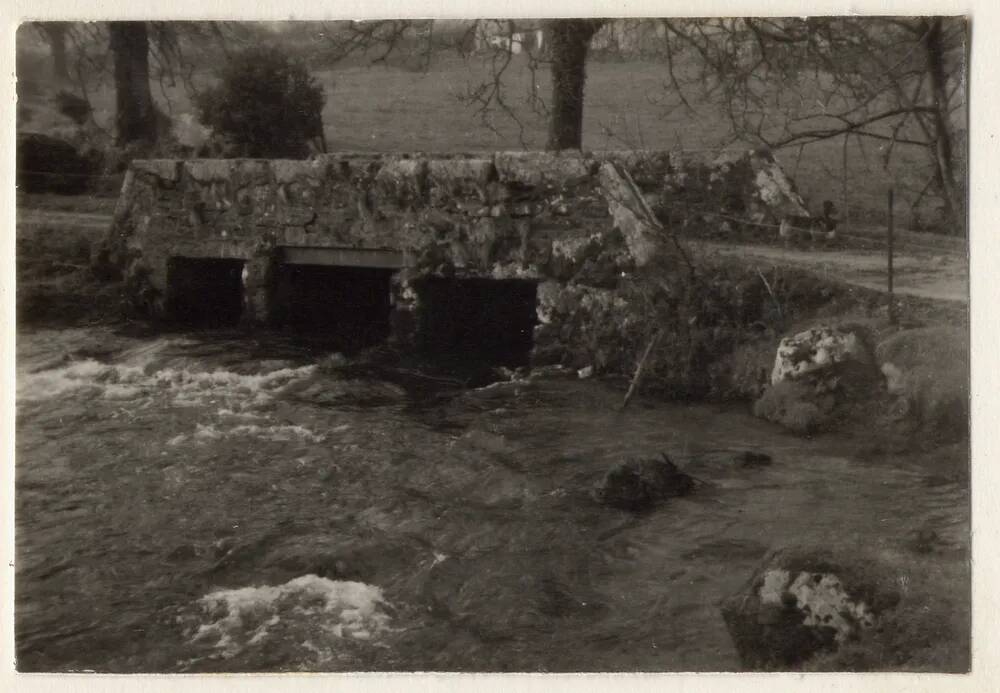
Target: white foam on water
{"x":283,"y":432}
{"x":146,"y":377}
{"x":246,"y":415}
{"x":122,"y":392}
{"x":54,"y":383}
{"x":177,"y":439}
{"x":240,"y":618}
{"x":242,"y":393}
{"x":205,"y":433}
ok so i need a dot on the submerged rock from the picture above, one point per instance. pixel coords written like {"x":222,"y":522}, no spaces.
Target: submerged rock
{"x":749,"y":458}
{"x":923,"y":540}
{"x":801,"y":601}
{"x":637,"y":484}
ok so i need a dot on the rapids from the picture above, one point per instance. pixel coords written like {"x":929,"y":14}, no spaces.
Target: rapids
{"x":210,"y":502}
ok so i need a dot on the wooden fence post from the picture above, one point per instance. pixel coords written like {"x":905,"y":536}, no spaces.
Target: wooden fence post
{"x":845,"y":212}
{"x":890,"y":244}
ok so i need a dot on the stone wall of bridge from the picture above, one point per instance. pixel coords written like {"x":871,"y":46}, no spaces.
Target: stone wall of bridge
{"x":575,"y":224}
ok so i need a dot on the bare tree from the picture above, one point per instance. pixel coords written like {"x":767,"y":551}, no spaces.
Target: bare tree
{"x":135,"y":57}
{"x":791,"y":82}
{"x":569,"y":41}
{"x":135,"y":112}
{"x":55,"y":34}
{"x":566,"y":50}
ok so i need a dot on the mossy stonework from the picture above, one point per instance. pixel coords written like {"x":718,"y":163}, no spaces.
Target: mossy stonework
{"x":576,"y":224}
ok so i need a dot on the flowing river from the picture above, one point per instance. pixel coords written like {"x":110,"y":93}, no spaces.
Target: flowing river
{"x":210,"y":502}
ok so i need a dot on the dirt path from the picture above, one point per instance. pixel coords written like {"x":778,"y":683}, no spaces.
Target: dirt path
{"x":940,"y":275}
{"x":923,"y":270}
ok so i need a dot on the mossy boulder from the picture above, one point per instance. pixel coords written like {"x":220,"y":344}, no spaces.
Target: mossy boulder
{"x":817,"y":377}
{"x":927,"y":372}
{"x":637,"y":484}
{"x":819,"y":349}
{"x":802,"y":601}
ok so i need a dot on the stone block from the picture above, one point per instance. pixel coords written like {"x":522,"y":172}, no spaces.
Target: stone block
{"x":543,"y":168}
{"x":208,"y":170}
{"x":167,"y":170}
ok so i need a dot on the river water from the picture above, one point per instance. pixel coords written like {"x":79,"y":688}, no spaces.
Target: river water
{"x":209,"y":502}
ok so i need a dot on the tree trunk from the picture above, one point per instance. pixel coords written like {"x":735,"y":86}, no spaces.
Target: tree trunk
{"x":943,"y":154}
{"x":569,"y":41}
{"x":135,"y":117}
{"x":55,"y":36}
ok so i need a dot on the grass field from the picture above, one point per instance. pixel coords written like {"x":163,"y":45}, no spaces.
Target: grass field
{"x":387,"y":108}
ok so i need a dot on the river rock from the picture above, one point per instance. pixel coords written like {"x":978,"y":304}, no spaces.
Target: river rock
{"x":800,"y":602}
{"x":817,"y":349}
{"x":816,"y":373}
{"x":927,"y":371}
{"x":749,"y":458}
{"x":637,"y":484}
{"x":800,"y":407}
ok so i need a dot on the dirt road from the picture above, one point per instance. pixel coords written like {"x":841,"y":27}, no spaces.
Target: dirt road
{"x":939,"y":274}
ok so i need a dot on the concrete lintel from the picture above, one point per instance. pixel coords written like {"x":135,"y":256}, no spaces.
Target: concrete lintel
{"x":343,"y":257}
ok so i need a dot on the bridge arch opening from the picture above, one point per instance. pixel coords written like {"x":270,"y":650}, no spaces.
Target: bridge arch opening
{"x":205,"y":292}
{"x":347,"y":308}
{"x":485,"y":320}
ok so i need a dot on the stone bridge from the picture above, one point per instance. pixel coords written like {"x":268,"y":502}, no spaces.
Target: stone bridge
{"x":508,"y":252}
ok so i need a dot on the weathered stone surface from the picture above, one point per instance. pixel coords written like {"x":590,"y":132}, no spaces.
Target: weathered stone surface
{"x":817,"y":373}
{"x":927,"y":370}
{"x":542,"y":168}
{"x":774,"y":188}
{"x":630,"y":215}
{"x":166,"y":170}
{"x":755,"y":176}
{"x":515,"y":215}
{"x":815,"y":350}
{"x":460,"y":181}
{"x":568,"y":255}
{"x":799,"y":406}
{"x":208,"y":170}
{"x":292,"y":170}
{"x":725,"y":194}
{"x":803,"y":601}
{"x":646,"y":166}
{"x":637,"y":484}
{"x":402,"y":181}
